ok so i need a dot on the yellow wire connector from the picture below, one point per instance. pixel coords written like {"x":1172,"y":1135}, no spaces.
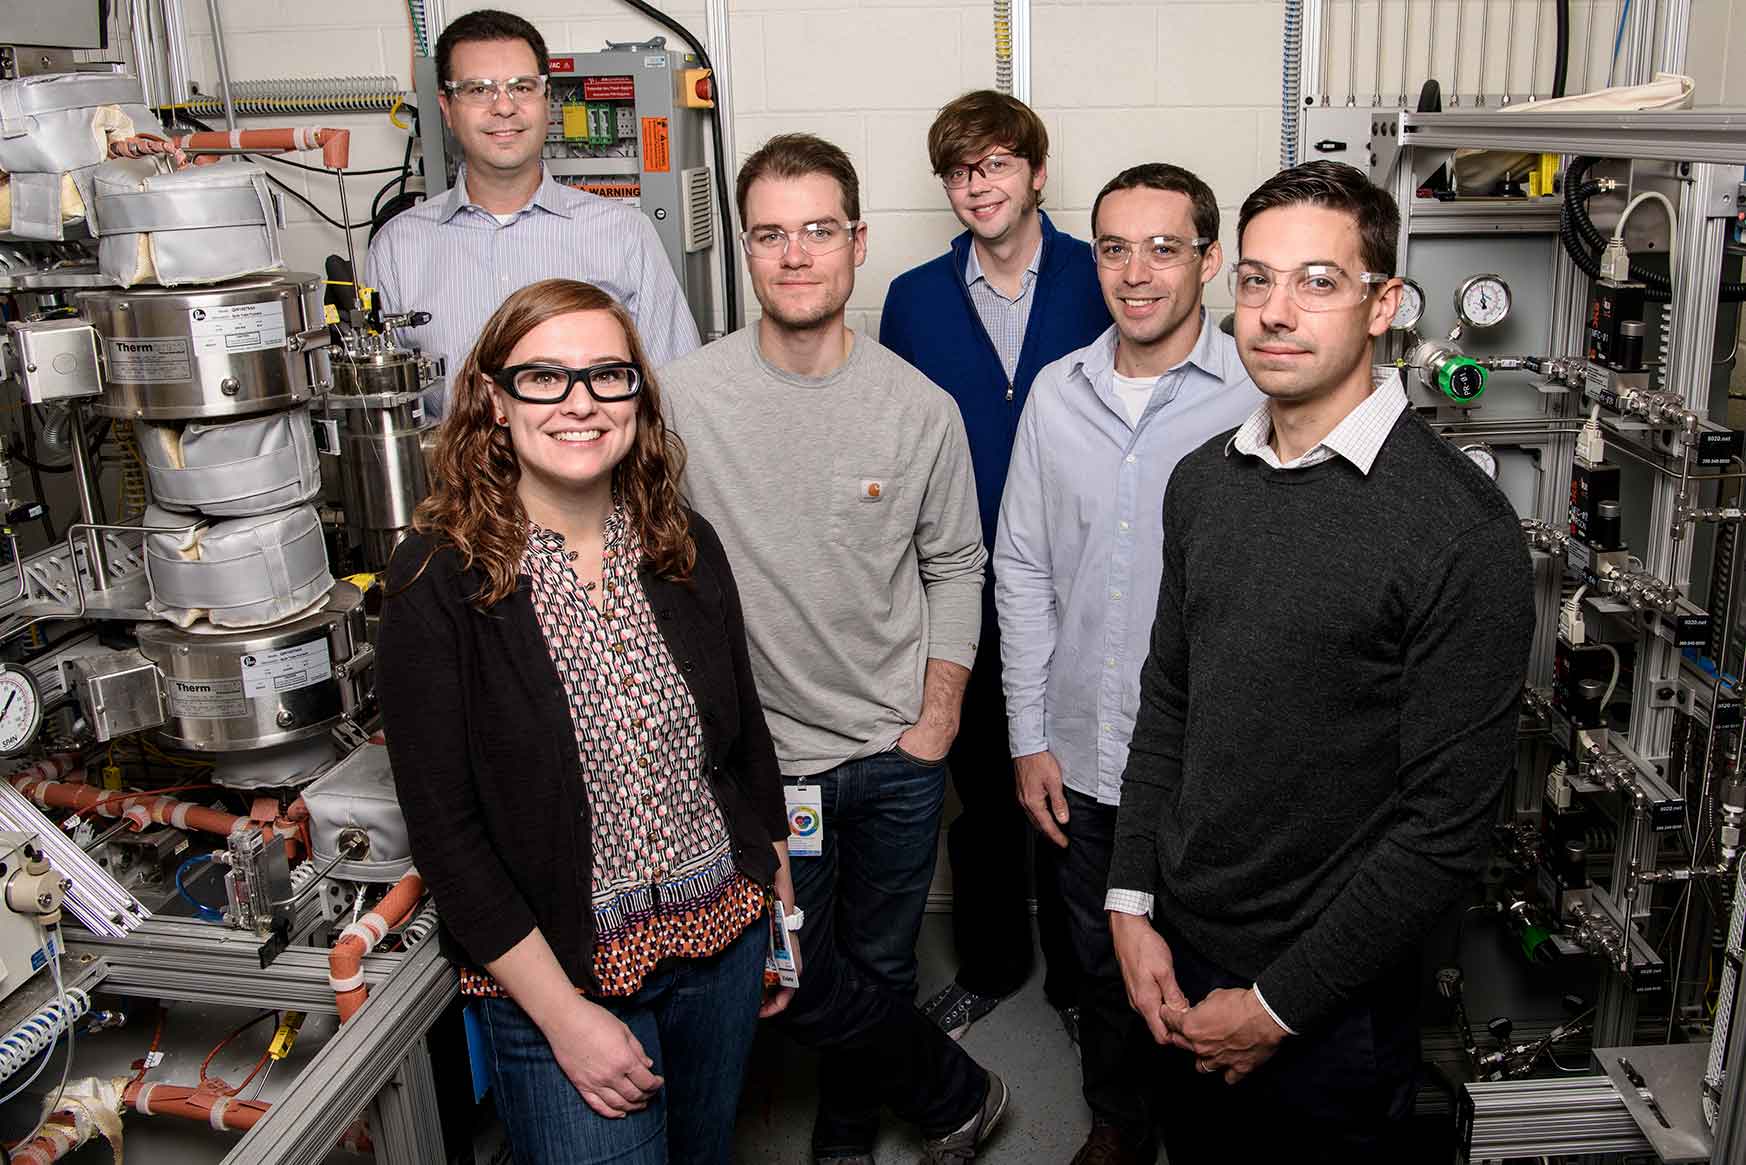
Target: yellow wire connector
{"x":286,"y":1035}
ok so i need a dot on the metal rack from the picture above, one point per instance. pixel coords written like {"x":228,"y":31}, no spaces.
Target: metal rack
{"x":1695,"y":157}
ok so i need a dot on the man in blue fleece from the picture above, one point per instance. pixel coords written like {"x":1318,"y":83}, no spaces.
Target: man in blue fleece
{"x":1012,"y":295}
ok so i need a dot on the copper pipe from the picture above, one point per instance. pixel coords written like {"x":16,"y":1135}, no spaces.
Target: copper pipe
{"x":152,"y":807}
{"x":345,"y":963}
{"x":335,"y":144}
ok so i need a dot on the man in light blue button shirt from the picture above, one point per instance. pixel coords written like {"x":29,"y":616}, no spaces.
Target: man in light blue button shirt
{"x":507,"y":222}
{"x":1077,"y":567}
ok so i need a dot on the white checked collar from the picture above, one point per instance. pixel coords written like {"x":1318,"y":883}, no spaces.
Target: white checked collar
{"x":1358,"y":437}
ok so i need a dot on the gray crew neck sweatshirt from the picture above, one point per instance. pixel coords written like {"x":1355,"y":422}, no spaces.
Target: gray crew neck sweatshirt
{"x":848,"y":510}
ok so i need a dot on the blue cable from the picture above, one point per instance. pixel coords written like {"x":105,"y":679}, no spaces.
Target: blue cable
{"x":1624,"y":15}
{"x":201,"y":910}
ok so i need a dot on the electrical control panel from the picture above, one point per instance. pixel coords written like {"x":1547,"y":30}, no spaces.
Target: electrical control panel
{"x":629,"y":123}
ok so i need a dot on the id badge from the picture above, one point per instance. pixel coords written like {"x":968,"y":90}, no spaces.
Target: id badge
{"x":781,"y":958}
{"x":805,"y":820}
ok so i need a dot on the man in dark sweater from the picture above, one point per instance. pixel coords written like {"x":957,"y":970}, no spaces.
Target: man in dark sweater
{"x":1012,"y":295}
{"x":1327,"y":713}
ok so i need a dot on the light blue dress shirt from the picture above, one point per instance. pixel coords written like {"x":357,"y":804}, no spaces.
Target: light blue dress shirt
{"x":1078,"y":556}
{"x":452,"y":258}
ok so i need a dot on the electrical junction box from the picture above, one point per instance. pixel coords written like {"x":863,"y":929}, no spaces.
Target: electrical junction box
{"x":119,"y":693}
{"x":626,"y":123}
{"x":55,"y":360}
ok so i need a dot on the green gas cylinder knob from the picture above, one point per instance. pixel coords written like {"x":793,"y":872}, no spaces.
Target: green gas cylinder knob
{"x":1461,"y":379}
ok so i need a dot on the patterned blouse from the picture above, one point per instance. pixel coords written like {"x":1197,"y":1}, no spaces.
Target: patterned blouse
{"x":664,"y":880}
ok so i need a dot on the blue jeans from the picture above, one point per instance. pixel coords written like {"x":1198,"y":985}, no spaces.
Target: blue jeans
{"x":695,"y":1018}
{"x":864,"y":897}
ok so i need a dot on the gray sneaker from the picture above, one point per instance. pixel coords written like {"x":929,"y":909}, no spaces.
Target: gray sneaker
{"x":961,"y":1144}
{"x":953,"y":1009}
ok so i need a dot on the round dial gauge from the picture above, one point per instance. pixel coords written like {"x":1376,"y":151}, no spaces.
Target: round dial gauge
{"x":1482,"y":455}
{"x":1483,"y":301}
{"x":1412,"y":306}
{"x":20,"y":709}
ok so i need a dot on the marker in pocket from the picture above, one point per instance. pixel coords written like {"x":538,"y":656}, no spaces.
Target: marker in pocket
{"x":805,"y":820}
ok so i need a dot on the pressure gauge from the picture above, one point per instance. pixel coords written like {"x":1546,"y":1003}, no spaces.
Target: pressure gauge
{"x":1483,"y":301}
{"x":1482,"y":455}
{"x":1412,"y":306}
{"x":20,"y":709}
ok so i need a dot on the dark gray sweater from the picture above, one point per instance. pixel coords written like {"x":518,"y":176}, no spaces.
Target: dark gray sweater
{"x":1328,"y":710}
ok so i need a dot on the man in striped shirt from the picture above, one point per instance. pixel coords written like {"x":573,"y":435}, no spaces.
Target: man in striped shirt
{"x":507,"y":222}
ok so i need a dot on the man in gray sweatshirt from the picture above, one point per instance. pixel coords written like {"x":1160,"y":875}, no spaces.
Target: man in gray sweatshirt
{"x":839,"y":479}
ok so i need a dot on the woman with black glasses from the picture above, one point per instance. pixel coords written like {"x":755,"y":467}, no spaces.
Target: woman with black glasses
{"x":579,"y":749}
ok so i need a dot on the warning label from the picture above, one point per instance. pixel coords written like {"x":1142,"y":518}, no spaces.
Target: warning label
{"x":609,"y":89}
{"x":287,"y":669}
{"x":656,"y":159}
{"x":208,"y":699}
{"x":239,"y":327}
{"x":150,"y":360}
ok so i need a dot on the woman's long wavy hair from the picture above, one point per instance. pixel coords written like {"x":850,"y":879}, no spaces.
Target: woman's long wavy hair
{"x":473,"y":504}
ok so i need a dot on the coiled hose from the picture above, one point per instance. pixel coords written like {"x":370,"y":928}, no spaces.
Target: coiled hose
{"x":419,"y":928}
{"x":1291,"y":84}
{"x":301,"y":873}
{"x":133,"y":474}
{"x":1583,"y":240}
{"x":37,"y":1034}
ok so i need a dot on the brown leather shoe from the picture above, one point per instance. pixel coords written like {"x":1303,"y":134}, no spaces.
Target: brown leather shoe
{"x":1105,"y":1147}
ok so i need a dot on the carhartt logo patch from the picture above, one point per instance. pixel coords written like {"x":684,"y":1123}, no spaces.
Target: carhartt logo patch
{"x":872,"y":491}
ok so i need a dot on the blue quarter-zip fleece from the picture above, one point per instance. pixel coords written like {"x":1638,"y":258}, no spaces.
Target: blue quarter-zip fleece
{"x":930,"y":322}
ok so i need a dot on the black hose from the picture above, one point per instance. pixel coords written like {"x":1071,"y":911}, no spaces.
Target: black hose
{"x":730,"y":267}
{"x":1583,"y":240}
{"x":28,"y":429}
{"x":1561,"y":53}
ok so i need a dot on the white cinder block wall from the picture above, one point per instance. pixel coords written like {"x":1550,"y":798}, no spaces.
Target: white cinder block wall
{"x":1186,"y":81}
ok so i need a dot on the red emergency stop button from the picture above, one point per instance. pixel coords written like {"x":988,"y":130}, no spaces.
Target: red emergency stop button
{"x":697,"y":89}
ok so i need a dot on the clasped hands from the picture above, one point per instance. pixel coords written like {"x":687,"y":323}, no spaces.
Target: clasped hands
{"x":1228,"y":1032}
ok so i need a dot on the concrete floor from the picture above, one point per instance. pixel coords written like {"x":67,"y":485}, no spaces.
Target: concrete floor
{"x":1022,"y":1040}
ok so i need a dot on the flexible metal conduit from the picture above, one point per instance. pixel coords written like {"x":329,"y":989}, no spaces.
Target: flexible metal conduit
{"x":1725,"y":1000}
{"x":1291,"y":84}
{"x":283,"y":96}
{"x":1003,"y":46}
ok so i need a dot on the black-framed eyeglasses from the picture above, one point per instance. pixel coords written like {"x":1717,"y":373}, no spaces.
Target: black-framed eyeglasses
{"x":550,"y":384}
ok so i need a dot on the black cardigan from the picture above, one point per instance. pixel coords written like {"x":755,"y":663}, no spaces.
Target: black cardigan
{"x":484,"y":752}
